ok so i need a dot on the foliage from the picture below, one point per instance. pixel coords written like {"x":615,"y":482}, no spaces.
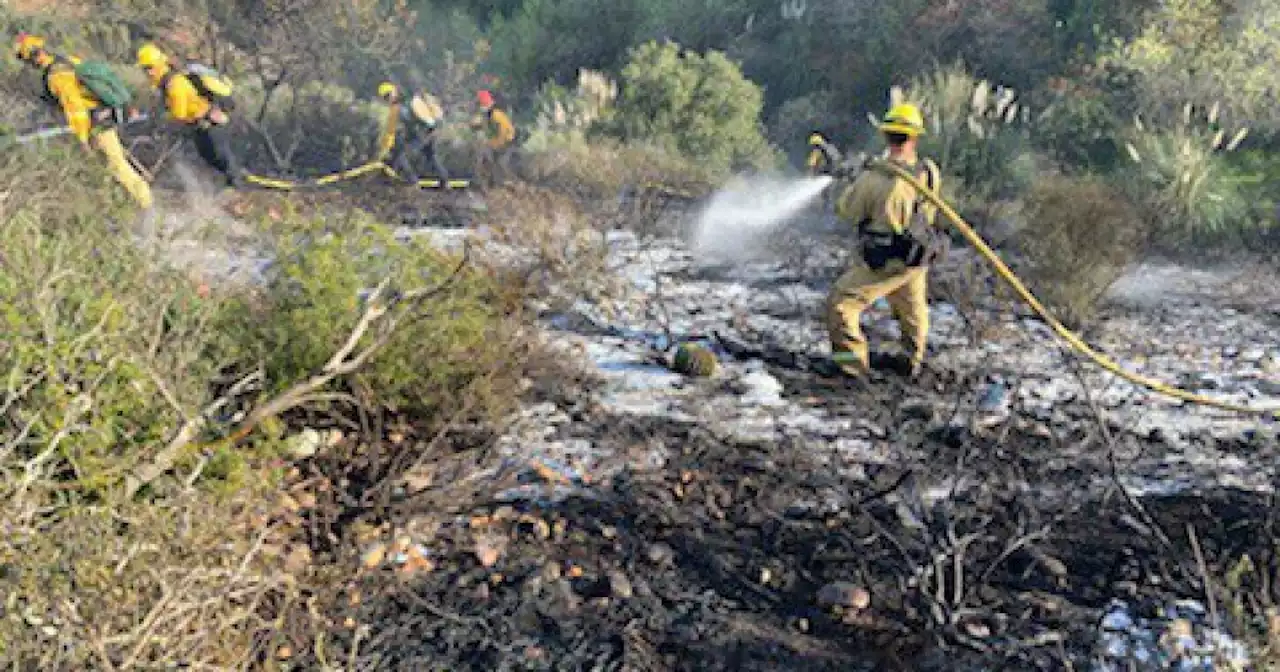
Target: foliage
{"x":977,"y":132}
{"x":1205,"y":51}
{"x":1181,"y":175}
{"x":136,"y":586}
{"x":530,"y":44}
{"x":313,"y":302}
{"x":106,"y":351}
{"x":791,"y":124}
{"x":1079,"y":126}
{"x":697,"y":104}
{"x":560,"y":111}
{"x":317,"y":128}
{"x":1080,"y":237}
{"x":601,"y":168}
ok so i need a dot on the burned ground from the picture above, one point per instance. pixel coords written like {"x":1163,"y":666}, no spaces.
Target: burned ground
{"x":715,"y":559}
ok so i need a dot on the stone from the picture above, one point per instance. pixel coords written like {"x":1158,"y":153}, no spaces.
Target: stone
{"x":489,"y":549}
{"x":619,"y":585}
{"x":1269,"y":387}
{"x":917,"y":409}
{"x":298,"y":559}
{"x":844,"y":594}
{"x":660,"y":554}
{"x":304,"y":444}
{"x":373,"y":556}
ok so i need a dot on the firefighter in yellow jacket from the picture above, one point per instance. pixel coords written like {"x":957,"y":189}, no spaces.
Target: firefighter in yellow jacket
{"x":898,"y":240}
{"x":187,"y":105}
{"x":93,"y":124}
{"x":823,"y":156}
{"x":410,"y":131}
{"x":500,"y":136}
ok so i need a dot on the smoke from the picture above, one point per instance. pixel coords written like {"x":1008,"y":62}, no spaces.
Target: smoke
{"x":738,"y":220}
{"x":191,"y":230}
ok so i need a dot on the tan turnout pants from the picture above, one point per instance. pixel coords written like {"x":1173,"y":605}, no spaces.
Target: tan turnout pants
{"x":107,"y":141}
{"x":906,"y":291}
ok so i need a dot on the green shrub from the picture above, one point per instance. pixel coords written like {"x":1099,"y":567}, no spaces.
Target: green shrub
{"x":313,"y":301}
{"x":977,"y":132}
{"x":793,"y":121}
{"x":1080,"y":127}
{"x":1204,"y":50}
{"x":108,"y":349}
{"x":557,"y":110}
{"x":1183,"y":178}
{"x":1081,"y":234}
{"x":135,"y":586}
{"x":313,"y":130}
{"x":699,"y":105}
{"x":600,"y":168}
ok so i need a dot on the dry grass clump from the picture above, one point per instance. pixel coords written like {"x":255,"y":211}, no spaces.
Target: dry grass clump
{"x":1079,"y":237}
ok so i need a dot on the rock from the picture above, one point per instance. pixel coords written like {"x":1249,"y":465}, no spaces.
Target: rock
{"x":489,"y":548}
{"x":619,"y":585}
{"x":419,"y":480}
{"x":558,"y":599}
{"x":304,"y":444}
{"x":843,"y":594}
{"x":374,"y":556}
{"x":660,"y":554}
{"x":298,"y":559}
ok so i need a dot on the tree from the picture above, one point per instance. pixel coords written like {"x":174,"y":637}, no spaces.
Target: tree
{"x":698,"y":104}
{"x":1204,"y":52}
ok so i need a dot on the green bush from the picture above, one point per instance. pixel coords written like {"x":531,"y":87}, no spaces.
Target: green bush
{"x":1181,"y":175}
{"x":977,"y":132}
{"x":314,"y":130}
{"x":1204,"y":51}
{"x":107,"y":349}
{"x":699,"y":105}
{"x":313,"y":301}
{"x":791,"y":124}
{"x":1080,"y":236}
{"x":1080,"y":127}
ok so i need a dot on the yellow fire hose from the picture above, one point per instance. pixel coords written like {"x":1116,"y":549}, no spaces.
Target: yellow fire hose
{"x":350,"y":173}
{"x":1063,"y":332}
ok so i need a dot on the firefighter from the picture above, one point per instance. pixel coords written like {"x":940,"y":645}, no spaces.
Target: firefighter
{"x":500,"y":137}
{"x":410,"y":131}
{"x":191,"y":103}
{"x":95,"y":124}
{"x":897,"y":243}
{"x":823,"y":156}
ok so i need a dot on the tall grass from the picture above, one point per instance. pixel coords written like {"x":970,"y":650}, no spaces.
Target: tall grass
{"x":1183,"y":176}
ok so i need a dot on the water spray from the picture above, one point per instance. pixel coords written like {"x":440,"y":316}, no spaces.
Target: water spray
{"x":737,"y":217}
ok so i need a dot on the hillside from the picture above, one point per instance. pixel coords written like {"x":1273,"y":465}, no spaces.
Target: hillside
{"x":364,"y":425}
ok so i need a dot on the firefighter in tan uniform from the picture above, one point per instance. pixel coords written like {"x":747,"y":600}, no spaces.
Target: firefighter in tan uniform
{"x":897,"y":243}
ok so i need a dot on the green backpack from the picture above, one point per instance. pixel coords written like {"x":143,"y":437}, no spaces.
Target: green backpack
{"x":101,"y":80}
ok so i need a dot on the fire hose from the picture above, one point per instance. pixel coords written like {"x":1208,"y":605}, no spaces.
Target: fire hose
{"x":347,"y":174}
{"x":1071,"y":338}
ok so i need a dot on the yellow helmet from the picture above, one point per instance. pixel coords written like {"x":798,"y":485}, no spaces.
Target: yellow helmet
{"x":386,"y":90}
{"x":150,"y":56}
{"x":903,"y":118}
{"x":27,"y":45}
{"x":816,"y":139}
